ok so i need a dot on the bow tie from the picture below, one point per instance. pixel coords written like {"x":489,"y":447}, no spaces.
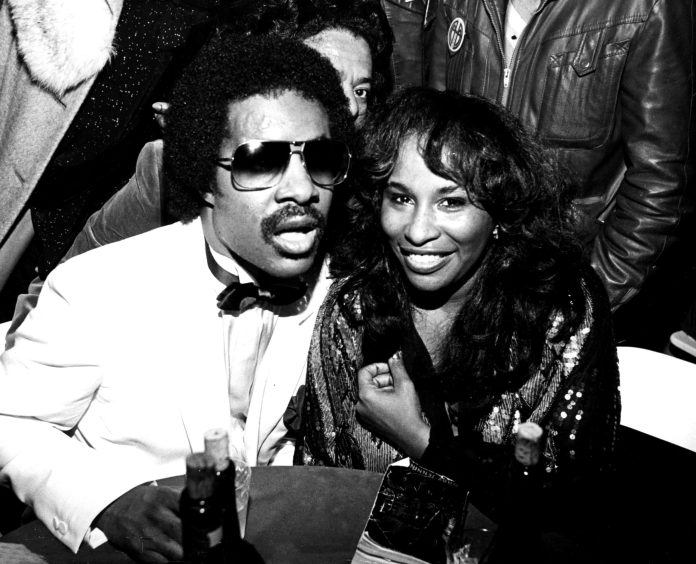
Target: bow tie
{"x":238,"y":297}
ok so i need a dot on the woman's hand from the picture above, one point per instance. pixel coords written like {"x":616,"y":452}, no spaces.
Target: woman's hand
{"x":388,"y":405}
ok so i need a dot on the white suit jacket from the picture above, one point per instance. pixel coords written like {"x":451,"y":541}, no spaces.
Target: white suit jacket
{"x":115,"y":376}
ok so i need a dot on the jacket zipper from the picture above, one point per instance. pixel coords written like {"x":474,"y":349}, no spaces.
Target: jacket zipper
{"x":501,"y":50}
{"x":508,"y":67}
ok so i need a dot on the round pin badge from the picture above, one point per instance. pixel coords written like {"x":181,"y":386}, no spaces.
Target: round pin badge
{"x":455,"y":35}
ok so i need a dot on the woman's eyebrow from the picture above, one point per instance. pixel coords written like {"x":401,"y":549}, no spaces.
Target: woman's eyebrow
{"x":442,"y":190}
{"x":449,"y":189}
{"x":396,"y":184}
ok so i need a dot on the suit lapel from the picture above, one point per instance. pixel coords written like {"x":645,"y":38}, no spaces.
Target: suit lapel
{"x":198,"y":346}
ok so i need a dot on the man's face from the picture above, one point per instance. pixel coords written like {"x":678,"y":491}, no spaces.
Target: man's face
{"x":277,"y":230}
{"x":350,"y":55}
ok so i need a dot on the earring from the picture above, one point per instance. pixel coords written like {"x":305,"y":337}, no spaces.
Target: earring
{"x":495,"y":233}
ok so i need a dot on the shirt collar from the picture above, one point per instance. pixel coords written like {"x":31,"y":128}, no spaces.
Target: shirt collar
{"x":232,"y":266}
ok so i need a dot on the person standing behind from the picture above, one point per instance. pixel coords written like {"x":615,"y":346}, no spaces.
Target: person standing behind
{"x":51,"y":53}
{"x":112,"y":380}
{"x":609,"y":86}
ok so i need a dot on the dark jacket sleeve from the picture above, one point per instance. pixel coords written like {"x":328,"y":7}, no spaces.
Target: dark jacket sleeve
{"x":134,"y":209}
{"x":406,"y":20}
{"x":656,"y":108}
{"x":580,"y":431}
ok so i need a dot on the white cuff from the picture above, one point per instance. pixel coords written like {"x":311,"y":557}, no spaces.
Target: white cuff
{"x":95,"y":537}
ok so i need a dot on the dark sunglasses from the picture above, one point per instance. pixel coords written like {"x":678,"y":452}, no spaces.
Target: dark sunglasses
{"x":258,"y":165}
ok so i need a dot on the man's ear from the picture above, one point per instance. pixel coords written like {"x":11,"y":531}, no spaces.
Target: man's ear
{"x":209,"y":199}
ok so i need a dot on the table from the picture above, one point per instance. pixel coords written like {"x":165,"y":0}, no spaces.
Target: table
{"x":296,"y":514}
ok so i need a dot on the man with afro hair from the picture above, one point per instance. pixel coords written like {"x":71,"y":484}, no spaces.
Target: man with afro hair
{"x":113,"y":379}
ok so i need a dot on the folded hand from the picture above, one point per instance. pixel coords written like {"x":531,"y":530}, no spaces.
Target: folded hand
{"x":389,"y":406}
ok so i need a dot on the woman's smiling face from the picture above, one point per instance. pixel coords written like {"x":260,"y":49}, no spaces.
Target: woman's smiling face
{"x":434,"y":230}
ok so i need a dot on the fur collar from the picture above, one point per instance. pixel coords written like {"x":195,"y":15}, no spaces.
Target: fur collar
{"x":64,"y":42}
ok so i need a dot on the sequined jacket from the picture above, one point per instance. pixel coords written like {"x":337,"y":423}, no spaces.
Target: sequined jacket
{"x":573,"y":395}
{"x":609,"y":84}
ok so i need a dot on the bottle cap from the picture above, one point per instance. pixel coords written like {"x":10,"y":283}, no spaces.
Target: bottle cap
{"x":529,"y":431}
{"x":217,"y":445}
{"x":527,"y":445}
{"x":200,"y":475}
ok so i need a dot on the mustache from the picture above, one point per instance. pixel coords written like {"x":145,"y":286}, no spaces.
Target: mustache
{"x":273,"y":223}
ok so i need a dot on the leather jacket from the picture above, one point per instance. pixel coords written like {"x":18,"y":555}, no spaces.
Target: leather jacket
{"x":609,"y":84}
{"x":406,"y":20}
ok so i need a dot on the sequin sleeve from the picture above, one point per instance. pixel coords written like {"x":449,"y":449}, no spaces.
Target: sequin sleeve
{"x":574,"y":396}
{"x":331,"y":434}
{"x":331,"y":389}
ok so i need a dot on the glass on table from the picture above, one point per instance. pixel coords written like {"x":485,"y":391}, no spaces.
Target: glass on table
{"x":470,"y":547}
{"x":242,"y":482}
{"x":467,"y":541}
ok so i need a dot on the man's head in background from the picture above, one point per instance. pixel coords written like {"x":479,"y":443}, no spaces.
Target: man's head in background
{"x":353,"y":34}
{"x":263,"y":203}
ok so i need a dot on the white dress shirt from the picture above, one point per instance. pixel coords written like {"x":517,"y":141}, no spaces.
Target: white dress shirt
{"x":246,"y":336}
{"x":514,"y":25}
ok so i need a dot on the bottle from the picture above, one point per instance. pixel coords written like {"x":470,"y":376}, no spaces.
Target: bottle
{"x":518,"y":538}
{"x":201,"y":514}
{"x":217,"y":446}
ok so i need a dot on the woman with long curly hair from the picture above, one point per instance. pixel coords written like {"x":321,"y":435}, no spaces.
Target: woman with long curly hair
{"x":462,"y":307}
